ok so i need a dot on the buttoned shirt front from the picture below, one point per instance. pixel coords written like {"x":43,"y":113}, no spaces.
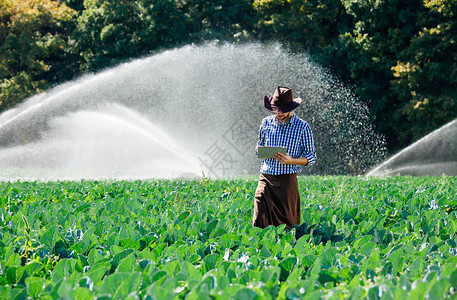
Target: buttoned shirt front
{"x":295,"y":135}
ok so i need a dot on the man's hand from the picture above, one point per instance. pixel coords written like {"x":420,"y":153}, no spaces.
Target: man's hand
{"x":286,"y":159}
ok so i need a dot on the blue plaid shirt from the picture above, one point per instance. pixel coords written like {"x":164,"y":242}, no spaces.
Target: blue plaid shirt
{"x":295,"y":135}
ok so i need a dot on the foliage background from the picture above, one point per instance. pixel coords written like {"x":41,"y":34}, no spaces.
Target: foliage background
{"x":399,"y":56}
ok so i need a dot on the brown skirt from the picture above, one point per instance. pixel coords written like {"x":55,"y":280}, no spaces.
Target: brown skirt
{"x":277,"y":201}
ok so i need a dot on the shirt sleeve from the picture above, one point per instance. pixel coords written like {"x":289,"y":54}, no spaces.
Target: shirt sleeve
{"x":261,"y":140}
{"x":308,"y":149}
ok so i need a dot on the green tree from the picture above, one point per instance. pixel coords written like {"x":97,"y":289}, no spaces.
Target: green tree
{"x":364,"y":57}
{"x":426,"y":71}
{"x":224,"y":20}
{"x":32,"y":41}
{"x":301,"y":25}
{"x":168,"y":25}
{"x":173,"y":22}
{"x":109,"y":32}
{"x":77,"y":5}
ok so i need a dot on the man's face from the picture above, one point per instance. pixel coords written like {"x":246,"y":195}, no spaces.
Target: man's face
{"x":283,"y":116}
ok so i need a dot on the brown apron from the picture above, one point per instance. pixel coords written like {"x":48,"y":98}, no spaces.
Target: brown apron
{"x":277,"y":201}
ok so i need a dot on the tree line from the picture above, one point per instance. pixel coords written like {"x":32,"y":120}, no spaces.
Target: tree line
{"x":398,"y":56}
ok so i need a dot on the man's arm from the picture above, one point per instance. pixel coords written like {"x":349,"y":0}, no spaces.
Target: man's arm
{"x":261,"y":140}
{"x":309,"y":152}
{"x":286,"y":159}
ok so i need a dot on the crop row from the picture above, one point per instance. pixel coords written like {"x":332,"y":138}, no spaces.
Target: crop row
{"x":375,"y":238}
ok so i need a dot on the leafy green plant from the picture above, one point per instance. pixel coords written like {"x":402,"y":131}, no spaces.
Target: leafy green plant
{"x":363,"y":238}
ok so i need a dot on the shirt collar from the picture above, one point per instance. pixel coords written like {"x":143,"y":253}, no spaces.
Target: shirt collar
{"x":294,"y":119}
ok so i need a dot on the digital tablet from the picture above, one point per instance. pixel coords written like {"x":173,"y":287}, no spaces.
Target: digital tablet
{"x":269,"y":152}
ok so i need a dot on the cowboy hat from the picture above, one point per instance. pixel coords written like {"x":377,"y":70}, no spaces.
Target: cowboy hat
{"x":282,"y":101}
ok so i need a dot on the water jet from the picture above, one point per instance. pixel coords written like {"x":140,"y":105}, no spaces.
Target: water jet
{"x":433,"y":155}
{"x":183,"y":111}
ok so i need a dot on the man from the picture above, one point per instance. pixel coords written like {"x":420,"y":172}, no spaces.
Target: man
{"x":277,"y":200}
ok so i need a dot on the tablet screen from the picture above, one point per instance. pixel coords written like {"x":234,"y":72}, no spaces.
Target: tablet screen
{"x":269,"y":152}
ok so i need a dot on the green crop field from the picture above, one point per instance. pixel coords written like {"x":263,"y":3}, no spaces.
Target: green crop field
{"x":391,"y":238}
